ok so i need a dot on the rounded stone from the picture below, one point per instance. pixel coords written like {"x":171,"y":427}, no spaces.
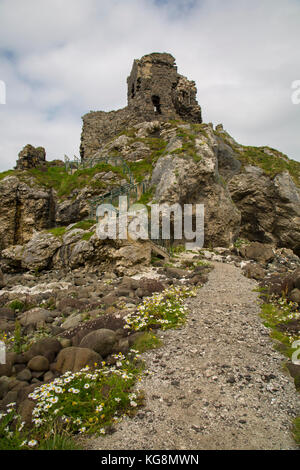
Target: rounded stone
{"x":25,"y":375}
{"x":101,"y":341}
{"x":38,"y":364}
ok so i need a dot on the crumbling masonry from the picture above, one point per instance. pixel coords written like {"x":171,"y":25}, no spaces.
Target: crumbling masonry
{"x":155,"y":92}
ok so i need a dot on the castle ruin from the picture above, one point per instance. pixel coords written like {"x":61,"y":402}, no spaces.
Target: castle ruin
{"x":155,"y":92}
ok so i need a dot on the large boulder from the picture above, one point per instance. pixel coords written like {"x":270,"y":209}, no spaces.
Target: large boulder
{"x":38,"y":364}
{"x":74,"y":359}
{"x":23,"y":209}
{"x":259,"y":252}
{"x":101,"y":341}
{"x":270,"y":208}
{"x":47,"y":347}
{"x":35,"y":316}
{"x":35,"y":255}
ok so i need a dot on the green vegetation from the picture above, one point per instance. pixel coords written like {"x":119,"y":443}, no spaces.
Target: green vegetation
{"x":4,"y":174}
{"x":87,"y":236}
{"x":64,"y":183}
{"x":257,"y":156}
{"x":240,"y":242}
{"x":296,"y":430}
{"x":188,"y":148}
{"x":270,"y":164}
{"x":57,"y":231}
{"x":177,"y":249}
{"x":280,"y":312}
{"x":85,"y":402}
{"x":147,"y":341}
{"x":146,"y":197}
{"x":17,"y":305}
{"x":164,"y":309}
{"x":140,"y":169}
{"x":84,"y":224}
{"x":276,"y":314}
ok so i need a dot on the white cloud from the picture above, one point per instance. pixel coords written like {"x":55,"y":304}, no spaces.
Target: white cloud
{"x":63,"y":59}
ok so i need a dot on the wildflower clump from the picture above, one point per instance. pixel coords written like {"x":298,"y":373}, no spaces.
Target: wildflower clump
{"x":165,"y":310}
{"x":89,"y":400}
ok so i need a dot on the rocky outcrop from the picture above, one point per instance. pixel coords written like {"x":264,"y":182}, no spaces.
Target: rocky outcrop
{"x":270,"y":208}
{"x":31,"y":157}
{"x":183,"y":180}
{"x":155,"y":92}
{"x":23,"y":209}
{"x":70,"y":251}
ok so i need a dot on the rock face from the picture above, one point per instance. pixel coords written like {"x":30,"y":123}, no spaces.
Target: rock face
{"x":23,"y":209}
{"x":155,"y":92}
{"x":270,"y":208}
{"x":45,"y":251}
{"x":187,"y":180}
{"x":31,"y":157}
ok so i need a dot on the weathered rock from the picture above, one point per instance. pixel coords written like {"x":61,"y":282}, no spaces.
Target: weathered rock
{"x":254,"y":271}
{"x":36,"y":254}
{"x":31,"y":157}
{"x":22,"y":210}
{"x":6,"y":369}
{"x":48,"y":376}
{"x":295,"y":296}
{"x":185,"y":180}
{"x":35,"y":316}
{"x":258,"y":251}
{"x":177,"y":273}
{"x":270,"y":208}
{"x":10,"y":397}
{"x":7,"y":313}
{"x":25,"y":375}
{"x":38,"y":364}
{"x":47,"y":347}
{"x":74,"y":359}
{"x":4,"y":386}
{"x":70,"y":303}
{"x":2,"y":281}
{"x":72,"y":322}
{"x":101,"y":341}
{"x":156,"y":92}
{"x":25,"y":410}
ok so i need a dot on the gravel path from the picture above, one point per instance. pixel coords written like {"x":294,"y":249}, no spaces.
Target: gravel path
{"x":216,"y":383}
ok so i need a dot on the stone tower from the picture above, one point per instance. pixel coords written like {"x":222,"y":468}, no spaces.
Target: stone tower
{"x":155,"y":92}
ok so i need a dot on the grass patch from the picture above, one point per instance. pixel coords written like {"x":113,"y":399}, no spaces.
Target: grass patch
{"x":146,"y":342}
{"x":84,"y":224}
{"x":188,"y":148}
{"x":57,"y":231}
{"x":87,"y":236}
{"x":17,"y":305}
{"x":64,"y":183}
{"x":4,"y":174}
{"x":277,"y":313}
{"x":296,"y":430}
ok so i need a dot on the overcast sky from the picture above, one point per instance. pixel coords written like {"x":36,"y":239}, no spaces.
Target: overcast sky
{"x":62,"y":58}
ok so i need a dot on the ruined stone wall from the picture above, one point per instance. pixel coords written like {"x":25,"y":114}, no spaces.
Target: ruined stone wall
{"x":31,"y":157}
{"x":155,"y":92}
